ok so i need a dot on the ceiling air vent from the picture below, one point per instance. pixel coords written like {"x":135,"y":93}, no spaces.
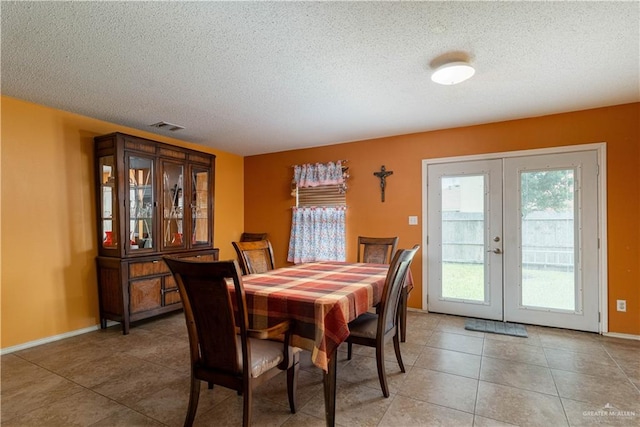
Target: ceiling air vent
{"x":167,"y":126}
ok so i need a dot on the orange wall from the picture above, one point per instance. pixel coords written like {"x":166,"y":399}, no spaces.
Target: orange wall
{"x":48,"y":224}
{"x":268,"y":200}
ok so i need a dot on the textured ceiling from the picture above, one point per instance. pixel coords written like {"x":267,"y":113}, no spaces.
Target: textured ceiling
{"x":259,"y":77}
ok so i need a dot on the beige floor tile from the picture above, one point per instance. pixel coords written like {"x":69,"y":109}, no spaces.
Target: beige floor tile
{"x":138,"y":339}
{"x":80,"y":409}
{"x":456,"y":342}
{"x":597,"y":390}
{"x":422,"y":321}
{"x":479,"y":421}
{"x":125,"y":417}
{"x":143,"y":380}
{"x":92,"y":373}
{"x":300,"y":419}
{"x":228,"y":413}
{"x":621,"y":350}
{"x":514,"y":352}
{"x":418,"y":336}
{"x":408,"y":412}
{"x":452,"y":362}
{"x":578,"y":344}
{"x":36,"y":394}
{"x":631,"y":368}
{"x":139,"y":384}
{"x":18,"y":373}
{"x":455,"y":325}
{"x":356,"y":405}
{"x":171,"y":324}
{"x":600,"y":365}
{"x":275,"y":390}
{"x":59,"y":355}
{"x":363,"y":370}
{"x":451,"y":391}
{"x":168,"y":351}
{"x":520,"y":407}
{"x":408,"y":350}
{"x":516,"y":374}
{"x":588,"y":414}
{"x":169,"y":405}
{"x":531,"y":340}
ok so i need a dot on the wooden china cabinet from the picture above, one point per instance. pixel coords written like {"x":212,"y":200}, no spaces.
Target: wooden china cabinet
{"x":153,"y":200}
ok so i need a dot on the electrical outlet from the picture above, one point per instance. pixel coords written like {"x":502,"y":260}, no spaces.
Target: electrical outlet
{"x":621,"y":305}
{"x":413,"y":220}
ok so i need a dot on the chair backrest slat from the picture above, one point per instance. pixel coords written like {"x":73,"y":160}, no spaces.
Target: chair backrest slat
{"x":253,"y":237}
{"x":394,"y":282}
{"x":377,"y":250}
{"x":254,"y":257}
{"x":210,"y":311}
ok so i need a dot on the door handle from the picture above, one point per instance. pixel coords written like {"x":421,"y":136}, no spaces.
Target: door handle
{"x":495,"y":251}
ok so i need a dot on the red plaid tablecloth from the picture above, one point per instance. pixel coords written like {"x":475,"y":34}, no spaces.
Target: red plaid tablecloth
{"x":321,"y":298}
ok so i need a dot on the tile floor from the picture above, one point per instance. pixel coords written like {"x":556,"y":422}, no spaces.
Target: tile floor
{"x":454,"y":377}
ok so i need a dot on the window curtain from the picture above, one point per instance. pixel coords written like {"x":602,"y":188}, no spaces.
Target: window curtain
{"x":313,"y":175}
{"x":317,"y":233}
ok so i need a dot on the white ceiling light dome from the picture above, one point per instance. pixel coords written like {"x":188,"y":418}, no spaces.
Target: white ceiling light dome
{"x":453,"y":73}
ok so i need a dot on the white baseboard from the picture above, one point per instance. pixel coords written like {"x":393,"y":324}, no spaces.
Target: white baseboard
{"x":53,"y":338}
{"x":624,"y":336}
{"x":606,"y":334}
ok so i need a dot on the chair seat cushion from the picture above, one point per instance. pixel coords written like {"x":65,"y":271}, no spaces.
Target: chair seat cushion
{"x":265,"y":355}
{"x":364,"y":326}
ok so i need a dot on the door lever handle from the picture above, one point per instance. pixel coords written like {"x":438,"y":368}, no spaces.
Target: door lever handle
{"x":495,"y":251}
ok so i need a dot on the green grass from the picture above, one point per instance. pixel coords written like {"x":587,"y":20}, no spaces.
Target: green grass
{"x":552,"y":289}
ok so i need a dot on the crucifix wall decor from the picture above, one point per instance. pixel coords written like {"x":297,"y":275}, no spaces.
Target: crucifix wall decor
{"x":383,"y":174}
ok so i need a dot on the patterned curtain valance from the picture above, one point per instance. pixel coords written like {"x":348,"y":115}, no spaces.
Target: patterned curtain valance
{"x":316,"y":174}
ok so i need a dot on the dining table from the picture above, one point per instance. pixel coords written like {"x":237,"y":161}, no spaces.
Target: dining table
{"x":320,"y":298}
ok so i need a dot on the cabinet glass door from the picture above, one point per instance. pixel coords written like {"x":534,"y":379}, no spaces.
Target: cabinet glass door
{"x":141,"y":203}
{"x":173,"y":205}
{"x":108,"y":202}
{"x":200,"y":207}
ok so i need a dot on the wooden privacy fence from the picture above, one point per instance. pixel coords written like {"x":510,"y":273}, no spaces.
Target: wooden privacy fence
{"x":548,"y":239}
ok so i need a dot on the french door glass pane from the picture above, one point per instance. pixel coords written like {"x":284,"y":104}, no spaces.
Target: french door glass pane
{"x":548,"y":239}
{"x":463,"y":237}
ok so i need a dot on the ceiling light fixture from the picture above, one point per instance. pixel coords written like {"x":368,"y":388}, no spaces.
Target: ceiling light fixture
{"x":453,"y":73}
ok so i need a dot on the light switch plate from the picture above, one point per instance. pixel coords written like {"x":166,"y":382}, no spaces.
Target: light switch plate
{"x":413,"y":220}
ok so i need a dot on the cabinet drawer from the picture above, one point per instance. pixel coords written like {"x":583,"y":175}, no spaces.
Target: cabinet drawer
{"x":170,"y":292}
{"x":203,"y":258}
{"x":171,"y":296}
{"x":147,"y":268}
{"x":145,"y":294}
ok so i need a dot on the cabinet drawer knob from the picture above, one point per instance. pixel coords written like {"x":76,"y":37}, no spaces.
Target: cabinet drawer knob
{"x":155,"y":261}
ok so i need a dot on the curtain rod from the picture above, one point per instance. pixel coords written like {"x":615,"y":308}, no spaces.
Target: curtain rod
{"x":341,"y":161}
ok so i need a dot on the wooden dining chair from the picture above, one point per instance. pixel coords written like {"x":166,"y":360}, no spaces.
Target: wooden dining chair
{"x":254,"y":257}
{"x":223,"y":349}
{"x":376,"y":329}
{"x":380,"y":250}
{"x":252,"y":237}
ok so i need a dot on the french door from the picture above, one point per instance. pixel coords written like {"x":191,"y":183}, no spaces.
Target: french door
{"x":515,"y":239}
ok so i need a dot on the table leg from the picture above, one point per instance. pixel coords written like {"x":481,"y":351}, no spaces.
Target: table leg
{"x":329,"y":380}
